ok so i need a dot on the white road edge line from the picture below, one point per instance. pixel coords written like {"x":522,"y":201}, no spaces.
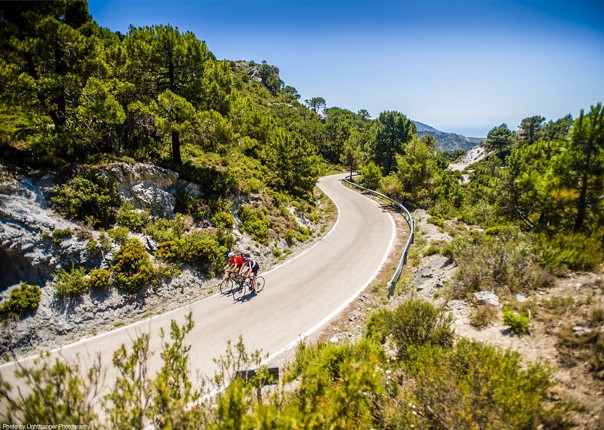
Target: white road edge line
{"x":148,"y":320}
{"x":339,"y":309}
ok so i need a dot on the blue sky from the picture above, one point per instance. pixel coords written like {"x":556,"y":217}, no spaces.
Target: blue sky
{"x":460,"y":66}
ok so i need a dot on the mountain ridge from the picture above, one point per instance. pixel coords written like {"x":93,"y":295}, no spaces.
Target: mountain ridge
{"x":446,"y":141}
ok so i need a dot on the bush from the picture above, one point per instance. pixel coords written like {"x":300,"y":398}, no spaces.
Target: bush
{"x":518,"y":323}
{"x":186,"y":203}
{"x":202,"y":249}
{"x":436,"y":221}
{"x":132,"y":266}
{"x":98,"y":279}
{"x":132,"y":218}
{"x":199,"y":248}
{"x":503,"y":264}
{"x":88,"y":197}
{"x":290,"y":236}
{"x":473,"y":385}
{"x":255,"y":222}
{"x":338,"y":388}
{"x":119,"y":234}
{"x":569,"y":251}
{"x":60,"y":234}
{"x":23,"y":298}
{"x":416,"y":323}
{"x":223,"y":220}
{"x":70,"y":282}
{"x":483,"y":315}
{"x":162,"y":229}
{"x":431,"y":251}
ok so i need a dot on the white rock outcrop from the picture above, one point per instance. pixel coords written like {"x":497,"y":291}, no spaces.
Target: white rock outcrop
{"x":145,"y":185}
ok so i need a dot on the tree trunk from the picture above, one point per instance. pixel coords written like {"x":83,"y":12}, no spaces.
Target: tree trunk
{"x":581,"y":203}
{"x":176,"y":148}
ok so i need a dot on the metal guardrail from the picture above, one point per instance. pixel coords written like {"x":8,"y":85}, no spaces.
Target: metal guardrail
{"x":410,"y":222}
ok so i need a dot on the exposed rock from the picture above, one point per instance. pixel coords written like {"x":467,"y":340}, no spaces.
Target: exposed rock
{"x":27,"y":251}
{"x":581,"y":331}
{"x":145,"y":185}
{"x":487,"y":297}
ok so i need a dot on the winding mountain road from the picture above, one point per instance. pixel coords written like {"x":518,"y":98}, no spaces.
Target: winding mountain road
{"x":300,"y":295}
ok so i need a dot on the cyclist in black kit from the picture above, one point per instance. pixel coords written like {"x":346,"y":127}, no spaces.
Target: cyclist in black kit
{"x":250,"y":267}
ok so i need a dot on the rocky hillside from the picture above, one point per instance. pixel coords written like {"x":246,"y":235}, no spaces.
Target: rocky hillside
{"x":448,"y":142}
{"x":64,"y":258}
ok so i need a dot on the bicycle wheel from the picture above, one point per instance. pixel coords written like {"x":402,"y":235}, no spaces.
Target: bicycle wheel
{"x":259,"y":283}
{"x":239,"y":290}
{"x":226,"y":286}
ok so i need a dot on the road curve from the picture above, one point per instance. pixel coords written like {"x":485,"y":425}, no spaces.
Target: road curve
{"x":300,"y":295}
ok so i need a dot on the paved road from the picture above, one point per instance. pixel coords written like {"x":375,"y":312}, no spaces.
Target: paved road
{"x":300,"y":295}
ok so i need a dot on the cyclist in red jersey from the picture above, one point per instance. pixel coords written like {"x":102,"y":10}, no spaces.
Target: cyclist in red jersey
{"x":234,"y":264}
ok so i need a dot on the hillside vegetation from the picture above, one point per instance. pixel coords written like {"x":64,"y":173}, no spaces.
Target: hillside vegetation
{"x":81,"y":104}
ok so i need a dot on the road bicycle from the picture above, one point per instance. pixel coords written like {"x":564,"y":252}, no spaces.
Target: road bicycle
{"x":243,"y":284}
{"x":227,"y":283}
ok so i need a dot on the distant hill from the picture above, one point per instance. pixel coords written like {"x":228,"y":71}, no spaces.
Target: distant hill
{"x":448,"y":142}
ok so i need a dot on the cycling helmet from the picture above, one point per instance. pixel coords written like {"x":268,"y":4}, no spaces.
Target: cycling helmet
{"x":231,"y":254}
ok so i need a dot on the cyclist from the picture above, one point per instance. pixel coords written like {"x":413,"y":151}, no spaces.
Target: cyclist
{"x":250,"y":267}
{"x":235,"y":263}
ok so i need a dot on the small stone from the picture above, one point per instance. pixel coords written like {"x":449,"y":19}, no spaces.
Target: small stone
{"x":487,"y":297}
{"x":581,"y":331}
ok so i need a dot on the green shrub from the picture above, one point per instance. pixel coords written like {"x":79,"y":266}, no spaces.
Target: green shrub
{"x":503,"y":264}
{"x":23,"y":298}
{"x":255,"y":222}
{"x":481,"y":213}
{"x":223,"y":220}
{"x":132,"y":218}
{"x":377,"y":326}
{"x":431,"y":251}
{"x":70,"y":282}
{"x":326,"y":357}
{"x":163,"y":229}
{"x":87,"y":197}
{"x":569,"y":251}
{"x":303,"y":234}
{"x":202,"y":249}
{"x":473,"y":385}
{"x":500,"y":230}
{"x":60,"y":234}
{"x":92,"y":246}
{"x":417,"y":322}
{"x":290,"y":236}
{"x":518,"y":323}
{"x":339,"y":386}
{"x":119,"y":234}
{"x":483,"y":315}
{"x":132,"y":266}
{"x":186,"y":203}
{"x":436,"y":221}
{"x":98,"y":279}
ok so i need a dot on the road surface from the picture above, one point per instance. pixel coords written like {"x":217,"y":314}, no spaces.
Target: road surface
{"x":300,"y":295}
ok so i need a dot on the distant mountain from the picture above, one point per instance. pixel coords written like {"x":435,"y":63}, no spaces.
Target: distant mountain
{"x":448,"y":142}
